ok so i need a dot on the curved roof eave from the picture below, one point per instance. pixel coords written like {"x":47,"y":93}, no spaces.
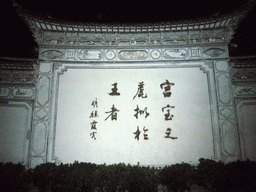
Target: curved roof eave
{"x":36,"y":21}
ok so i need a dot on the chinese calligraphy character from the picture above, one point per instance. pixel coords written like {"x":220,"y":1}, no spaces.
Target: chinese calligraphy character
{"x":94,"y":125}
{"x":168,"y":132}
{"x":145,"y":135}
{"x":168,"y":116}
{"x":113,"y":113}
{"x":138,"y":111}
{"x":167,"y":87}
{"x":137,"y":133}
{"x":95,"y":103}
{"x":114,"y":90}
{"x":140,"y":91}
{"x":93,"y":135}
{"x":94,"y":114}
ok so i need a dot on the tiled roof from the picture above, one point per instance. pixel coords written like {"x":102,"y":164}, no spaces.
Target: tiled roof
{"x":46,"y":23}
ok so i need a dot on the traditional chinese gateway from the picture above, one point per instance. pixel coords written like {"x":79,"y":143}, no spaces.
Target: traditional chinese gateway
{"x":151,"y":93}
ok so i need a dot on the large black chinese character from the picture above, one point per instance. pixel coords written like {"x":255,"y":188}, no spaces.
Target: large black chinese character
{"x":168,"y":133}
{"x":114,"y":90}
{"x":137,"y":133}
{"x":138,"y":111}
{"x":168,"y":116}
{"x":167,"y":88}
{"x":113,"y":113}
{"x":140,"y":91}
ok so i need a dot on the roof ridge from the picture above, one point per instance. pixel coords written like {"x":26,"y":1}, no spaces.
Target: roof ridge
{"x":244,"y":9}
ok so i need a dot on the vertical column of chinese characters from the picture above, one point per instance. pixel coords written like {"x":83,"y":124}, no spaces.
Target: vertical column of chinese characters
{"x":139,"y":112}
{"x":166,"y":86}
{"x":113,"y":112}
{"x":94,"y":114}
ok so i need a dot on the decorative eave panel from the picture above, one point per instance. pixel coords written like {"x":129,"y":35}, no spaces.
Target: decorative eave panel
{"x":243,"y":77}
{"x":17,"y":79}
{"x":133,"y":54}
{"x":181,"y":38}
{"x":243,"y":71}
{"x":18,"y":72}
{"x":52,"y":32}
{"x":58,"y":25}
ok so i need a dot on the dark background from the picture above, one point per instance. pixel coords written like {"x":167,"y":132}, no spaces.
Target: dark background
{"x":16,"y":39}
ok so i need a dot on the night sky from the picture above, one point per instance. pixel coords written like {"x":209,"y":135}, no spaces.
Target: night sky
{"x":17,"y":41}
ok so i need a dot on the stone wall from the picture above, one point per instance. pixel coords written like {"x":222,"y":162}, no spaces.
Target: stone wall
{"x":17,"y":94}
{"x":30,"y":93}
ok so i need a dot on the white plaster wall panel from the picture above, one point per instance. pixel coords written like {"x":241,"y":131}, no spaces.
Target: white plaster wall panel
{"x":224,"y":89}
{"x":15,"y":129}
{"x":39,"y":138}
{"x":45,"y":68}
{"x":36,"y":161}
{"x":41,"y":114}
{"x":222,"y":66}
{"x":227,"y":112}
{"x":227,"y":117}
{"x":115,"y":140}
{"x":230,"y":138}
{"x":246,"y":112}
{"x":243,"y":77}
{"x":41,"y":110}
{"x":43,"y":94}
{"x":209,"y":68}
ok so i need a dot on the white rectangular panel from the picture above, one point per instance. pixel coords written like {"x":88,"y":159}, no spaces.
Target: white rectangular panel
{"x":14,"y":126}
{"x":114,"y":139}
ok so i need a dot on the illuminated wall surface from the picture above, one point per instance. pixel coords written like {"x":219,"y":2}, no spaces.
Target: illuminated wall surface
{"x":14,"y":138}
{"x":154,"y":113}
{"x":12,"y":134}
{"x":151,"y":116}
{"x":154,"y":94}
